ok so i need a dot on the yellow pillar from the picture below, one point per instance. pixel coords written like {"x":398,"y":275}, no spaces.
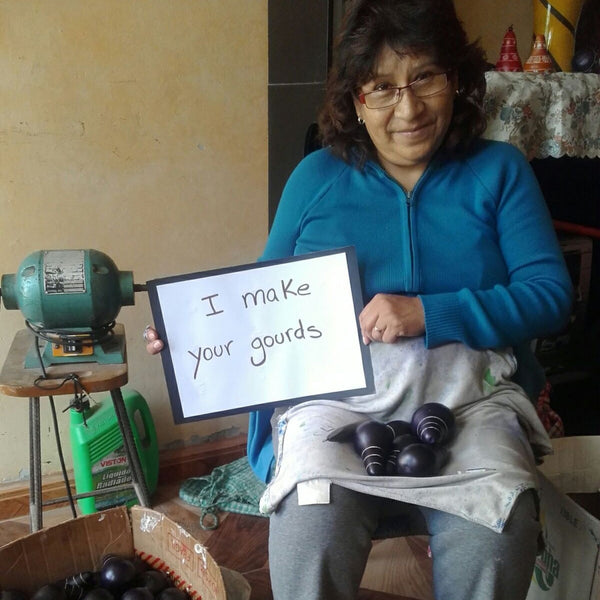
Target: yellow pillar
{"x":557,"y":21}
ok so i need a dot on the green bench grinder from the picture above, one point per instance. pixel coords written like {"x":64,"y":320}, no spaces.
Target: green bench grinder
{"x":70,"y":299}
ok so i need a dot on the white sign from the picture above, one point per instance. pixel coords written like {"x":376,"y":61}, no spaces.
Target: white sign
{"x":262,"y":334}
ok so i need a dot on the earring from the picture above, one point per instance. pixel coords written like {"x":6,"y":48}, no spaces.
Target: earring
{"x":361,"y":121}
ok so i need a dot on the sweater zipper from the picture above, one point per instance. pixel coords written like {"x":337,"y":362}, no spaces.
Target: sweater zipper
{"x":411,"y":278}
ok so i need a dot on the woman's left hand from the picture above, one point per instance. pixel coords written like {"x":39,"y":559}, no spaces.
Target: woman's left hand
{"x":389,"y":316}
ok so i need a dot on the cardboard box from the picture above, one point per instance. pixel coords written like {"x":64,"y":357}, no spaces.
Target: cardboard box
{"x":79,"y":545}
{"x":569,"y":567}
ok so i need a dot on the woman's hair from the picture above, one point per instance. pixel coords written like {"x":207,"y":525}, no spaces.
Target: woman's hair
{"x":408,"y":27}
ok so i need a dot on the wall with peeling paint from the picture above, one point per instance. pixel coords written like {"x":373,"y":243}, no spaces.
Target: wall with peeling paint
{"x":138,"y":129}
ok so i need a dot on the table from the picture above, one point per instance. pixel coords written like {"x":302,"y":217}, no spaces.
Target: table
{"x":552,"y":115}
{"x":546,"y":116}
{"x":20,"y":382}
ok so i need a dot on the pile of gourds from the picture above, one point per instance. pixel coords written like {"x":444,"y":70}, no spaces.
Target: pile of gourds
{"x":119,"y":578}
{"x":418,"y":448}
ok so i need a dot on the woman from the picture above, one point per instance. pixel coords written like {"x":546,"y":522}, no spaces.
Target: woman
{"x":460,"y":269}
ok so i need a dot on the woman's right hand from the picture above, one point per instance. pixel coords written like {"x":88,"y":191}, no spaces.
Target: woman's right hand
{"x":388,"y":317}
{"x":153,"y":343}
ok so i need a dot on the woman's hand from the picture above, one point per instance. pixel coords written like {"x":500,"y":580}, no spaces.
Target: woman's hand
{"x":389,"y":316}
{"x":153,"y":343}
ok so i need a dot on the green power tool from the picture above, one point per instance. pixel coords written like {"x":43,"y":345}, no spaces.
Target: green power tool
{"x":70,"y":300}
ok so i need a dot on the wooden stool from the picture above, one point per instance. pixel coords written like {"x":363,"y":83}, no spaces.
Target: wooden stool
{"x":16,"y":380}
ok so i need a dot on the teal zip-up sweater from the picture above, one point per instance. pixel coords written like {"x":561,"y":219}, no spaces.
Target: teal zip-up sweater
{"x":474,"y":240}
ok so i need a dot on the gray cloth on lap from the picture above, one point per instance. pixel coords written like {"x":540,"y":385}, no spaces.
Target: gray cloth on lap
{"x":493,"y":455}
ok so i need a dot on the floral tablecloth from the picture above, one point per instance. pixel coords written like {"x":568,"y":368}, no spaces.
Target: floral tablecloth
{"x":545,"y":115}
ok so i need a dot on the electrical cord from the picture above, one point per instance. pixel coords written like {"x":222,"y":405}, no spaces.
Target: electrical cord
{"x":61,"y":457}
{"x":96,"y":335}
{"x":76,"y":384}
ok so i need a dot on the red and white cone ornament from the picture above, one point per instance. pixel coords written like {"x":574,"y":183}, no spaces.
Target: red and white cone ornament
{"x":540,"y":60}
{"x":509,"y":59}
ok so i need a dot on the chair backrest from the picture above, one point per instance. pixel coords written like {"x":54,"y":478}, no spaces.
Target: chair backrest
{"x":311,"y":139}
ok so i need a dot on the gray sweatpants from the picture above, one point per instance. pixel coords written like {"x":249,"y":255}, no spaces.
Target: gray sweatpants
{"x":319,"y":552}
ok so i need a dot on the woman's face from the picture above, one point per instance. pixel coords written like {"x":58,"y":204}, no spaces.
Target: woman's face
{"x":407,"y":135}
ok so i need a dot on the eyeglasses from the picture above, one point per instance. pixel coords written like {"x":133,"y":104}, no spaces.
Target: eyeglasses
{"x":421,"y":88}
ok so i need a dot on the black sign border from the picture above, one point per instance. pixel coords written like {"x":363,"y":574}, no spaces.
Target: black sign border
{"x":167,"y":362}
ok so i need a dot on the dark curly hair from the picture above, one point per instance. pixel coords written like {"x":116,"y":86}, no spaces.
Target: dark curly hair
{"x":408,"y":27}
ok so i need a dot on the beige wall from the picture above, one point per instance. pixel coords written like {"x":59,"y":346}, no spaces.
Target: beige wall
{"x":138,"y":129}
{"x":489,"y":20}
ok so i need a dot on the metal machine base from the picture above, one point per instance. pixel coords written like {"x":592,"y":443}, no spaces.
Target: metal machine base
{"x":110,"y":352}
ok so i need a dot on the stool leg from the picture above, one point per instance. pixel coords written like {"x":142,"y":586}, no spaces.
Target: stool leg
{"x":137,"y":474}
{"x":35,"y":466}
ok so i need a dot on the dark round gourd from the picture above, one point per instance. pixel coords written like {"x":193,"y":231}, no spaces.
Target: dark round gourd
{"x":137,"y":593}
{"x":140,"y":564}
{"x":99,"y":594}
{"x":373,"y":441}
{"x":49,"y":592}
{"x":433,"y":423}
{"x":172,"y":593}
{"x":155,"y":581}
{"x":400,"y":442}
{"x":399,"y":427}
{"x":80,"y":579}
{"x":583,"y":61}
{"x":77,"y":585}
{"x":421,"y":460}
{"x":116,"y":572}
